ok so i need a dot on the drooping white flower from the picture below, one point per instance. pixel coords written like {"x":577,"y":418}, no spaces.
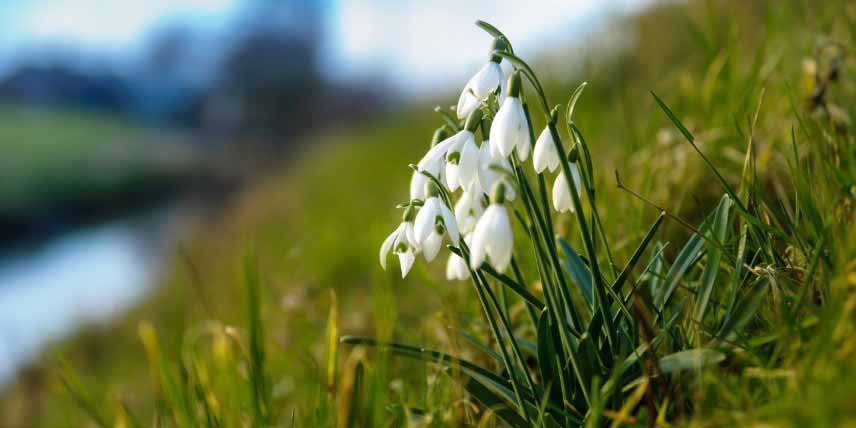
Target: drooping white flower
{"x":492,"y":75}
{"x":507,"y":68}
{"x":432,"y":222}
{"x":456,"y":267}
{"x":510,"y":129}
{"x":419,"y":180}
{"x":545,"y":155}
{"x":488,"y":175}
{"x":562,"y":199}
{"x":488,"y":78}
{"x":401,"y":242}
{"x":435,"y":168}
{"x":453,"y":144}
{"x":492,"y":239}
{"x":469,"y":208}
{"x":462,"y":163}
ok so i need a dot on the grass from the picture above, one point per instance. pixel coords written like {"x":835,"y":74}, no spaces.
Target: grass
{"x":236,"y":340}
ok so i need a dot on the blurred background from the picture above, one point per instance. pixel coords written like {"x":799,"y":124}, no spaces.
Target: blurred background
{"x":122,"y":122}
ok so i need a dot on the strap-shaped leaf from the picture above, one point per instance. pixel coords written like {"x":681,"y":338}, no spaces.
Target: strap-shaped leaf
{"x":489,"y":399}
{"x":717,"y":234}
{"x":682,"y":263}
{"x":580,"y":274}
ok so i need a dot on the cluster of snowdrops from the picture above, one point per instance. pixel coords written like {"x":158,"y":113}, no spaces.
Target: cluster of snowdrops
{"x":481,"y":171}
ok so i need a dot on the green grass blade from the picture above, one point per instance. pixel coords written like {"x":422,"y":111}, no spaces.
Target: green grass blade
{"x":481,"y":346}
{"x":634,"y":259}
{"x":689,"y":137}
{"x":489,"y":399}
{"x":714,"y":253}
{"x":685,"y":259}
{"x":690,"y":359}
{"x":258,"y":376}
{"x":744,"y":310}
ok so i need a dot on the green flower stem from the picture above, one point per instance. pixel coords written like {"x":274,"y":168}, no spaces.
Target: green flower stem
{"x":553,"y":311}
{"x":507,"y":325}
{"x":481,"y":285}
{"x":600,"y":299}
{"x":589,"y":187}
{"x":547,"y":236}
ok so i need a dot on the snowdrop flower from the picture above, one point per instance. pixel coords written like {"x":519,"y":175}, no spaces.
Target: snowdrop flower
{"x":456,"y":267}
{"x":488,"y":78}
{"x":510,"y":130}
{"x":419,"y":180}
{"x":452,"y":145}
{"x":462,"y":163}
{"x":492,"y":238}
{"x":435,"y":168}
{"x":562,"y":199}
{"x":469,"y":208}
{"x":401,"y":242}
{"x":545,"y":155}
{"x":487,"y":173}
{"x":432,"y":222}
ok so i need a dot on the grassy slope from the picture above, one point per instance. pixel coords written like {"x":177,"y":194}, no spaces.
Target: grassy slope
{"x":51,"y":156}
{"x":317,"y":225}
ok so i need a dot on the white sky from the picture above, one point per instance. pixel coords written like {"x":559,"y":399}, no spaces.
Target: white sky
{"x":422,"y":45}
{"x":417,"y":45}
{"x":102,"y":23}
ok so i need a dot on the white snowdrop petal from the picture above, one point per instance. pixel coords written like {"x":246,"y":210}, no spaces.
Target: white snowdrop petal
{"x":387,"y":246}
{"x":451,"y":224}
{"x":453,"y":181}
{"x":463,"y":269}
{"x":451,"y":269}
{"x":417,"y":185}
{"x":524,"y":146}
{"x":410,"y":235}
{"x":520,"y":130}
{"x":437,"y":152}
{"x":431,"y":246}
{"x":503,"y":243}
{"x":469,"y":208}
{"x":469,"y":163}
{"x":467,"y":102}
{"x":477,"y":247}
{"x":424,"y":223}
{"x":500,"y":130}
{"x":462,"y":214}
{"x":487,"y":79}
{"x":506,"y":67}
{"x":562,"y":194}
{"x":545,"y":156}
{"x":406,"y":260}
